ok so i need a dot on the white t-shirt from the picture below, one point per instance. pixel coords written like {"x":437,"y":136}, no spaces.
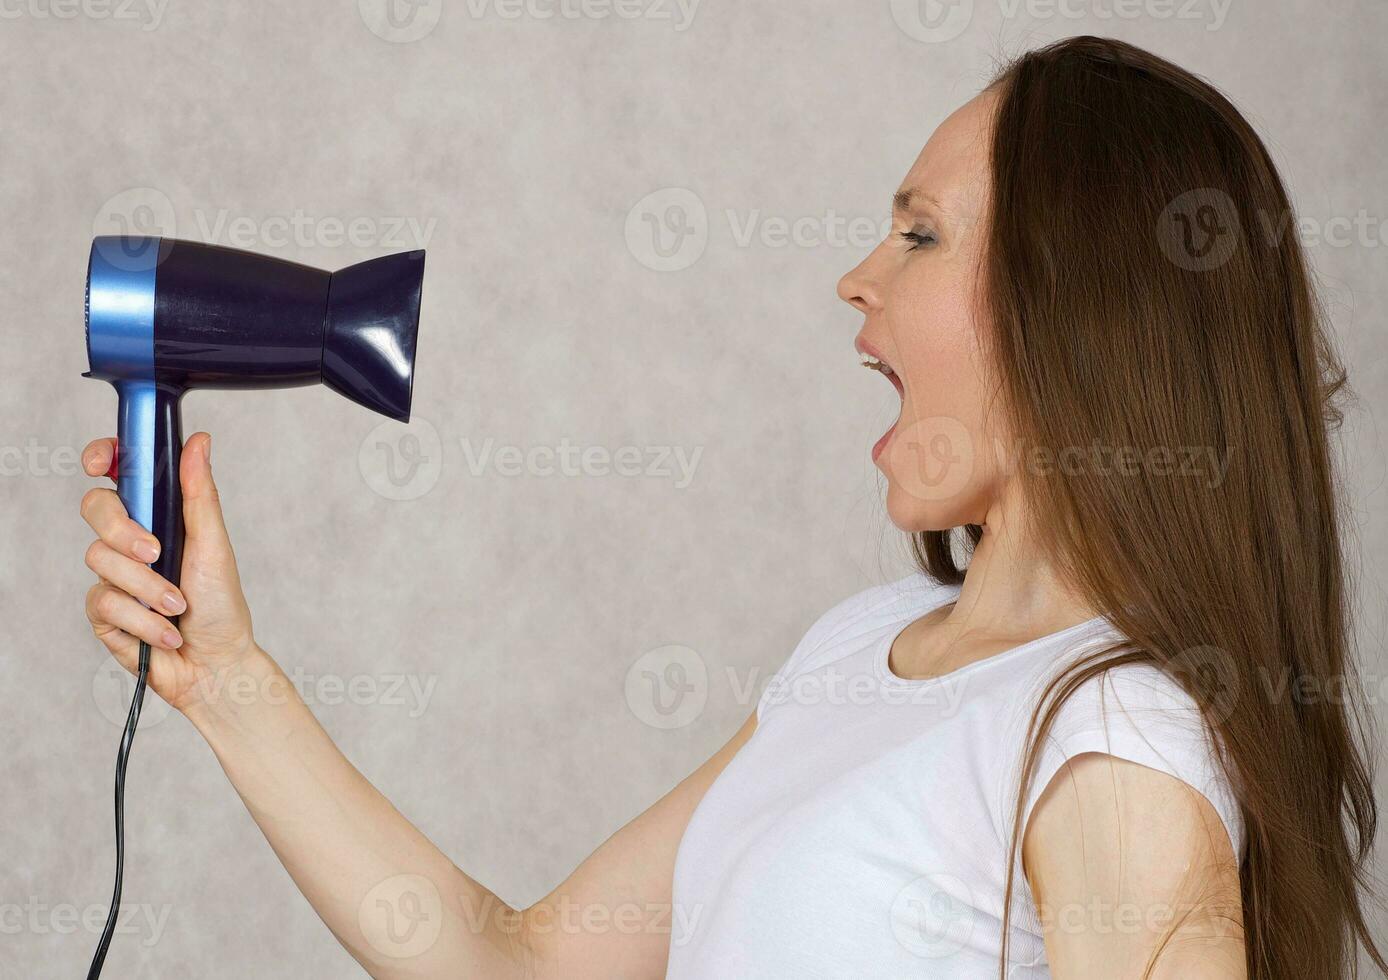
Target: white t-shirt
{"x":863,"y":830}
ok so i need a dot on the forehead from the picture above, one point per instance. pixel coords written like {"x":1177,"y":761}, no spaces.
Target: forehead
{"x":952,"y":168}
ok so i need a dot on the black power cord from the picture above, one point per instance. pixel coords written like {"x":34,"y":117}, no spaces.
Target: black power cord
{"x":122,"y":759}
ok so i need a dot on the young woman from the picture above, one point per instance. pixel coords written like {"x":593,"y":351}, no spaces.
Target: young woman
{"x":1078,"y":743}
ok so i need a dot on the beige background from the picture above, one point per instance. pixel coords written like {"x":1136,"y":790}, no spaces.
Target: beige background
{"x":488,"y":626}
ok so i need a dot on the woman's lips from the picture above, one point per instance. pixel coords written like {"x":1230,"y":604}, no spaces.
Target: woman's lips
{"x":881,"y":443}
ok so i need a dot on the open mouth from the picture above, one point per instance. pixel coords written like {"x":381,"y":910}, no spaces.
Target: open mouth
{"x":871,"y":359}
{"x":877,"y":364}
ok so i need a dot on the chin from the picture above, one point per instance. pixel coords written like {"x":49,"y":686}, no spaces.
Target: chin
{"x":934,"y":479}
{"x":913,"y":515}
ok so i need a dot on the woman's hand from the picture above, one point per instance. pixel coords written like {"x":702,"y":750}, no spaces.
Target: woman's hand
{"x":188,"y":663}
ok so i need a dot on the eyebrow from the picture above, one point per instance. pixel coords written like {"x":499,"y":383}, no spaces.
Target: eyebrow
{"x":901,"y":200}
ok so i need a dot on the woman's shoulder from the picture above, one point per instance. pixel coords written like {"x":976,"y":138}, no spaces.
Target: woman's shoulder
{"x":1140,"y":712}
{"x":864,"y":615}
{"x":888,"y":600}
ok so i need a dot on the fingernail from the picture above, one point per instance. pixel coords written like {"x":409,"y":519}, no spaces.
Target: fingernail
{"x":145,"y":550}
{"x":171,"y":640}
{"x":173,"y":603}
{"x":207,"y":449}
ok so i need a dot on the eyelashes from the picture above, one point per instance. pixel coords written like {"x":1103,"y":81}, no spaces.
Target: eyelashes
{"x":917,"y":239}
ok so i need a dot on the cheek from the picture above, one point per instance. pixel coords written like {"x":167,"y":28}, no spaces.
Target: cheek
{"x":935,"y":336}
{"x":937,"y":463}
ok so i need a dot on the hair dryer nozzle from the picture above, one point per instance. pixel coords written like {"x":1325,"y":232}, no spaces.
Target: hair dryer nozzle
{"x":370,"y":329}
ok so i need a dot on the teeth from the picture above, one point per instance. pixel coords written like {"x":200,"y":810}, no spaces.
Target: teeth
{"x":868,"y":361}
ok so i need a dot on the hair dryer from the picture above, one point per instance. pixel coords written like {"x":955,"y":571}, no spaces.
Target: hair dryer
{"x":165,"y":316}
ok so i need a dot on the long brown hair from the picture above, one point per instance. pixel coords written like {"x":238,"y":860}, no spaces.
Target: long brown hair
{"x":1145,"y":289}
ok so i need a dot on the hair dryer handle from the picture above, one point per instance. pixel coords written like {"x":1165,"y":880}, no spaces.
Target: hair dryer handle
{"x":150,"y":430}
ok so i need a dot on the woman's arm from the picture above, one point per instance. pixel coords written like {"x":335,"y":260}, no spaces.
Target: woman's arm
{"x":397,"y":903}
{"x":1132,"y":871}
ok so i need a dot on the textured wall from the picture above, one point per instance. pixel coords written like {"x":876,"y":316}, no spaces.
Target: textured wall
{"x":489,"y":610}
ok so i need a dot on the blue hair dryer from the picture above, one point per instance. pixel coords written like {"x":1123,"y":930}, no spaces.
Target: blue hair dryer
{"x":165,"y":316}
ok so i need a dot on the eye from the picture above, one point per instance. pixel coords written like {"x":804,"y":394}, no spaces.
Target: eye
{"x":916,"y":239}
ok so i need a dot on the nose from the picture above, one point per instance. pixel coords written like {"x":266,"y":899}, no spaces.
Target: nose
{"x":860,"y":289}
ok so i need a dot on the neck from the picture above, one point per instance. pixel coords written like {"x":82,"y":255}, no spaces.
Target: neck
{"x":1011,"y":587}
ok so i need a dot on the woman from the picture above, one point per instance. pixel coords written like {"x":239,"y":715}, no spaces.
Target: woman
{"x":1073,"y":746}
